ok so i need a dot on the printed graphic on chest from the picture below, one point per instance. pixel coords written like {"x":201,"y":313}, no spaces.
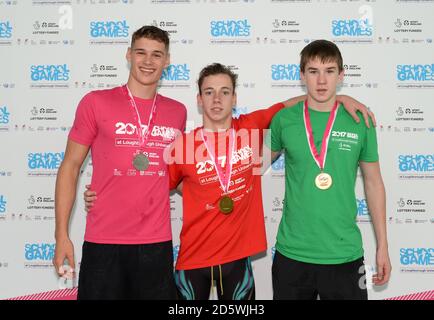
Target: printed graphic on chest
{"x":345,"y":141}
{"x":127,"y":135}
{"x":240,"y":157}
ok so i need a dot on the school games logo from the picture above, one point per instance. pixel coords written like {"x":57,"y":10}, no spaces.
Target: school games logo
{"x":238,"y":111}
{"x":285,"y":76}
{"x":363,"y":215}
{"x":49,"y":72}
{"x":416,"y":163}
{"x":417,"y":166}
{"x":230,"y":28}
{"x":3,"y":204}
{"x":44,"y":164}
{"x":176,"y":72}
{"x":285,"y":72}
{"x":5,"y":30}
{"x":109,"y":29}
{"x":415,"y":72}
{"x":230,"y":31}
{"x":39,"y":251}
{"x":4,"y":115}
{"x":362,"y":208}
{"x":417,"y":259}
{"x":352,"y":28}
{"x":175,"y":253}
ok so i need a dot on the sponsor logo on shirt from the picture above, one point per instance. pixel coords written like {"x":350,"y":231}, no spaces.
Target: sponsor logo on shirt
{"x":345,"y":140}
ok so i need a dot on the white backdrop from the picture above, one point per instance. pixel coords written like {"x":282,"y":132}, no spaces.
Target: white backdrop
{"x":53,"y":52}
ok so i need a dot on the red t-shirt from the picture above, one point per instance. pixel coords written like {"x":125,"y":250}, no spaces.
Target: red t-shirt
{"x":208,"y":237}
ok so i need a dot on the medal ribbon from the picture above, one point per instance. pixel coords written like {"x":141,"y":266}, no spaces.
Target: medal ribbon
{"x":320,"y":159}
{"x":143,"y":136}
{"x":224,"y":178}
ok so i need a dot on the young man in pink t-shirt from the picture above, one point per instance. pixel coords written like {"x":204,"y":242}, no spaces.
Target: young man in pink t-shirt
{"x":127,"y":253}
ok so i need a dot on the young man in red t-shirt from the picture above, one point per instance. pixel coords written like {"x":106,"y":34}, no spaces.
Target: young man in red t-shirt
{"x":223,"y":219}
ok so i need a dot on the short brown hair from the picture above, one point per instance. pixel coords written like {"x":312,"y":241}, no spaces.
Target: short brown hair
{"x":324,"y":50}
{"x":153,"y":33}
{"x":214,"y":69}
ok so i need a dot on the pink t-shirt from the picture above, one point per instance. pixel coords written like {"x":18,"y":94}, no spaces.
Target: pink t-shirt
{"x":132,"y":206}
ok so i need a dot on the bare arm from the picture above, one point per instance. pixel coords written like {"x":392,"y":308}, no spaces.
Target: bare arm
{"x":179,"y":188}
{"x":376,"y":198}
{"x":351,"y":105}
{"x":66,"y":185}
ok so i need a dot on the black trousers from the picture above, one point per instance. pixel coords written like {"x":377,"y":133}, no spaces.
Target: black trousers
{"x":294,"y":280}
{"x":139,"y":272}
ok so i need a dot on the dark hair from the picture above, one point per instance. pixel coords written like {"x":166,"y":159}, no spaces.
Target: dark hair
{"x":153,"y":33}
{"x":214,"y":69}
{"x":324,"y":50}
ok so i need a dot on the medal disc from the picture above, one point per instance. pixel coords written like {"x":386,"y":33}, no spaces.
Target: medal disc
{"x":323,"y":181}
{"x":226,"y":205}
{"x":141,"y":162}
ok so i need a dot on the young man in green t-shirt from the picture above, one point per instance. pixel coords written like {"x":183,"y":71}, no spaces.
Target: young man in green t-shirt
{"x":319,"y":245}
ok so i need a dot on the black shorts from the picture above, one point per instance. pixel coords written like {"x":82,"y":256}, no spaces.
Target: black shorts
{"x":114,"y":271}
{"x":234,"y":281}
{"x":294,"y":280}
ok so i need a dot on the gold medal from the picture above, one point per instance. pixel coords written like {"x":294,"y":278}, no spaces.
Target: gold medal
{"x":323,"y":181}
{"x":226,"y":205}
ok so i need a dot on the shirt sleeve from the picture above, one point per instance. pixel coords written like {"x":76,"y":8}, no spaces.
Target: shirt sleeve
{"x":262,"y":118}
{"x":84,"y":128}
{"x":273,"y":140}
{"x":176,"y":151}
{"x":369,"y":152}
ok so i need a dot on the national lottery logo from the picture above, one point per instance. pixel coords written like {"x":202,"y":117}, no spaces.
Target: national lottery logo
{"x":417,"y":256}
{"x":285,"y":72}
{"x":362,"y":207}
{"x":230,"y":28}
{"x":47,"y":160}
{"x":3,"y":203}
{"x":352,"y":28}
{"x":109,"y":29}
{"x":416,"y":163}
{"x":39,"y":251}
{"x":5,"y":30}
{"x":49,"y":72}
{"x":176,"y":72}
{"x":415,"y":72}
{"x":4,"y":115}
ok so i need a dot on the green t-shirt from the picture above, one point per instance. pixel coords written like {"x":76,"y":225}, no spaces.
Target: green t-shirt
{"x":319,"y":226}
